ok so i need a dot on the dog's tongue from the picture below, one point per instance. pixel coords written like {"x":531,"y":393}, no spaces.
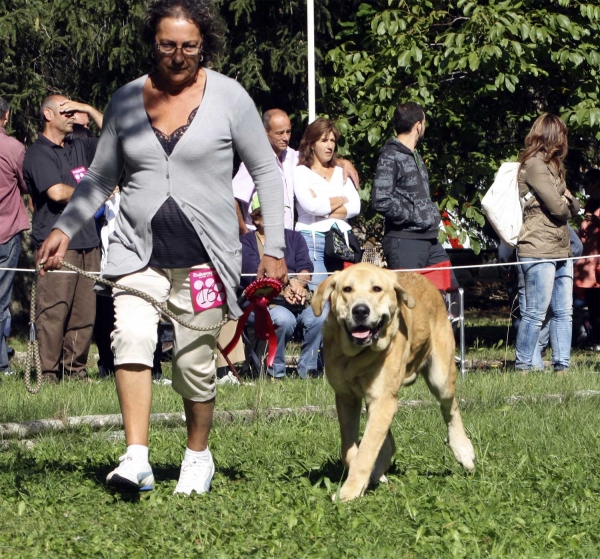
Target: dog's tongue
{"x":361,"y":335}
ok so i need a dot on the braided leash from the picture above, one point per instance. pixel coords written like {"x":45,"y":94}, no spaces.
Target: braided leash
{"x":33,"y":350}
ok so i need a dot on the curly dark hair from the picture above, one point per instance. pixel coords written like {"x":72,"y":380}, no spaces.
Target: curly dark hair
{"x":315,"y":131}
{"x":200,"y":12}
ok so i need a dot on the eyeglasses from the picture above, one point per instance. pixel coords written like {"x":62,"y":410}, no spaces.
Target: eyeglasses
{"x":169,"y":50}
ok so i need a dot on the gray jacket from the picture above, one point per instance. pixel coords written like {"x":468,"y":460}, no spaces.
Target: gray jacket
{"x":197,"y":175}
{"x":401,"y":193}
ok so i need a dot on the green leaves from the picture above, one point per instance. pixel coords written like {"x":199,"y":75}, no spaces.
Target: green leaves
{"x":483,"y":71}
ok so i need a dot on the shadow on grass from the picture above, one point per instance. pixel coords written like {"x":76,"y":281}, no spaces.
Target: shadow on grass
{"x":335,"y":471}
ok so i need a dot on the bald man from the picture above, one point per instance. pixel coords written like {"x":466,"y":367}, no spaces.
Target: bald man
{"x":66,"y":303}
{"x":279,"y":130}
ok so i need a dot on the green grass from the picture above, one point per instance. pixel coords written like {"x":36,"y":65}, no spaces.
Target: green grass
{"x":489,"y":386}
{"x":535,"y":491}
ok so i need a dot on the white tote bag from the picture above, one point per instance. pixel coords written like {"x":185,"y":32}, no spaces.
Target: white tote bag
{"x":501,"y":204}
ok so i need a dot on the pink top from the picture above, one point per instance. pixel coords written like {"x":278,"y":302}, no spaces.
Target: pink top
{"x":586,"y":269}
{"x":13,"y":216}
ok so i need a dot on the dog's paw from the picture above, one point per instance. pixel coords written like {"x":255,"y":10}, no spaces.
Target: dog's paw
{"x":381,"y":479}
{"x":464,"y":454}
{"x":348,"y":492}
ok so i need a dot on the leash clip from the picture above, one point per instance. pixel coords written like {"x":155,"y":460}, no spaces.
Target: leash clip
{"x":32,"y":332}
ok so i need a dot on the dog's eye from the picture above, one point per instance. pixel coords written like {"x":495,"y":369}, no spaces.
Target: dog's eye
{"x":377,"y":289}
{"x":347,"y":289}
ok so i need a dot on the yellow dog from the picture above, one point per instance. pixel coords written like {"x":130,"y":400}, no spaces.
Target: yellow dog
{"x":383,"y":329}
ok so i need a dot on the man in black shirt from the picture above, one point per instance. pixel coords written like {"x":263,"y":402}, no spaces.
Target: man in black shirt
{"x":66,"y":303}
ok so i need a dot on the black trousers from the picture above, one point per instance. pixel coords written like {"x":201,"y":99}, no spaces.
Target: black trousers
{"x":415,"y":254}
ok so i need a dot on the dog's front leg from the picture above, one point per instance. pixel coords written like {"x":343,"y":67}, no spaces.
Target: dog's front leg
{"x":348,"y":410}
{"x":381,"y":414}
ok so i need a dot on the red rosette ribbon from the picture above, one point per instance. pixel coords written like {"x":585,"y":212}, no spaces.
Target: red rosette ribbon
{"x":260,"y":293}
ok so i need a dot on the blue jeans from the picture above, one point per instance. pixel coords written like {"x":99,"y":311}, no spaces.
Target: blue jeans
{"x":544,"y":338}
{"x":548,"y":289}
{"x":316,"y":251}
{"x":9,"y":258}
{"x":285,"y":323}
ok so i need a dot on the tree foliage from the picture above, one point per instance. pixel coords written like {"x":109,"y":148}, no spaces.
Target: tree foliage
{"x":483,"y":71}
{"x":86,"y":49}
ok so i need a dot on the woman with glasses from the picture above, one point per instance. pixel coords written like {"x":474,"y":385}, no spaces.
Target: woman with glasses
{"x":544,"y":243}
{"x":172,"y":134}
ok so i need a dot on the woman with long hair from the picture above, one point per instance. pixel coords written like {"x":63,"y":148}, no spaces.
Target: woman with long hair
{"x":173,"y":132}
{"x":324,"y":197}
{"x":547,"y":207}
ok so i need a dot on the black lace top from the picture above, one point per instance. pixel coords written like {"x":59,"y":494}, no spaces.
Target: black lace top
{"x":175,"y":243}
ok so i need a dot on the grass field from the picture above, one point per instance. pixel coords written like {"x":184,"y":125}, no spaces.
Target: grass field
{"x":535,"y":491}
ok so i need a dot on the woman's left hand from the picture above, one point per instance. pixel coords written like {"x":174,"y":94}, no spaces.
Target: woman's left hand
{"x":271,"y":267}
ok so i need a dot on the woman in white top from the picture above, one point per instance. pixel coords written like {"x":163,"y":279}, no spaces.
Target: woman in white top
{"x":323,"y":197}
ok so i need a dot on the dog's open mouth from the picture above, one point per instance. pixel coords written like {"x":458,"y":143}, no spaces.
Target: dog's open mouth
{"x":363,"y":335}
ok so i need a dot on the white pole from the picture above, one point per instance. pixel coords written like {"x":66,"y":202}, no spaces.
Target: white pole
{"x":310,"y":31}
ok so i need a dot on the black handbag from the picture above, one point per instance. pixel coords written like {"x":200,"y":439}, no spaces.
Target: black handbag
{"x":336,"y":248}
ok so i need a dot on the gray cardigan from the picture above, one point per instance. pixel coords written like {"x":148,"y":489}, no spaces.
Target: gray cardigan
{"x":197,"y":176}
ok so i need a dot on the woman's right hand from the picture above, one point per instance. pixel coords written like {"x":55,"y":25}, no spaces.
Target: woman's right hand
{"x":52,"y":251}
{"x":337,"y":202}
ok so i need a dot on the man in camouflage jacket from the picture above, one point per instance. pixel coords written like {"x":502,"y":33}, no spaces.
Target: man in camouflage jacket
{"x":401,"y":195}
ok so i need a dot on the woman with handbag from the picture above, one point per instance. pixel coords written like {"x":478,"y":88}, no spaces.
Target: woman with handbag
{"x":324,"y":200}
{"x":547,"y":207}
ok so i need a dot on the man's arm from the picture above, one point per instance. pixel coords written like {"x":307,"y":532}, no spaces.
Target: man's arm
{"x":349,"y":171}
{"x":19,"y":174}
{"x":74,"y":106}
{"x":382,"y":195}
{"x":60,"y":193}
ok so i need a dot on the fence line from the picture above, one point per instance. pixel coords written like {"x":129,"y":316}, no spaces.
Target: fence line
{"x":467,"y":267}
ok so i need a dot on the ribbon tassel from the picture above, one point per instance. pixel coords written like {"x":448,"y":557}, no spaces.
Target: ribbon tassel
{"x":259,"y":293}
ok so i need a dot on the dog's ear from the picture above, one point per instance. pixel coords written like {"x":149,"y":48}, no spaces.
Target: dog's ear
{"x":322,"y":294}
{"x":404,"y":297}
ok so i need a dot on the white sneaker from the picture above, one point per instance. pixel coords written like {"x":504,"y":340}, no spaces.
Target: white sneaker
{"x":196,"y":475}
{"x":131,"y":475}
{"x":164,"y":381}
{"x":229,"y":378}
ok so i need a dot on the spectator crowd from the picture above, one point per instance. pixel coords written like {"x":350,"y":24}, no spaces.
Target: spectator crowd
{"x":154,"y":203}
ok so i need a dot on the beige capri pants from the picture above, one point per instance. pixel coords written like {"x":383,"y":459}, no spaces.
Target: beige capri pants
{"x":136,"y":321}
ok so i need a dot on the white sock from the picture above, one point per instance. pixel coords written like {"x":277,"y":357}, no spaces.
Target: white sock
{"x":196,"y":454}
{"x":138,"y":451}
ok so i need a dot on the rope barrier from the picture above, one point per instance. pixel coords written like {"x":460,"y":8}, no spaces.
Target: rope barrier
{"x":33,"y":353}
{"x":97,"y":277}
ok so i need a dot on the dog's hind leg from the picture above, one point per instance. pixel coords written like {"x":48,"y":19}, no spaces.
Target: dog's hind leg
{"x":441,"y":379}
{"x":348,"y":410}
{"x":384,"y":460}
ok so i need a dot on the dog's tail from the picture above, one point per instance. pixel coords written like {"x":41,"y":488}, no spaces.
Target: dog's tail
{"x":408,"y":381}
